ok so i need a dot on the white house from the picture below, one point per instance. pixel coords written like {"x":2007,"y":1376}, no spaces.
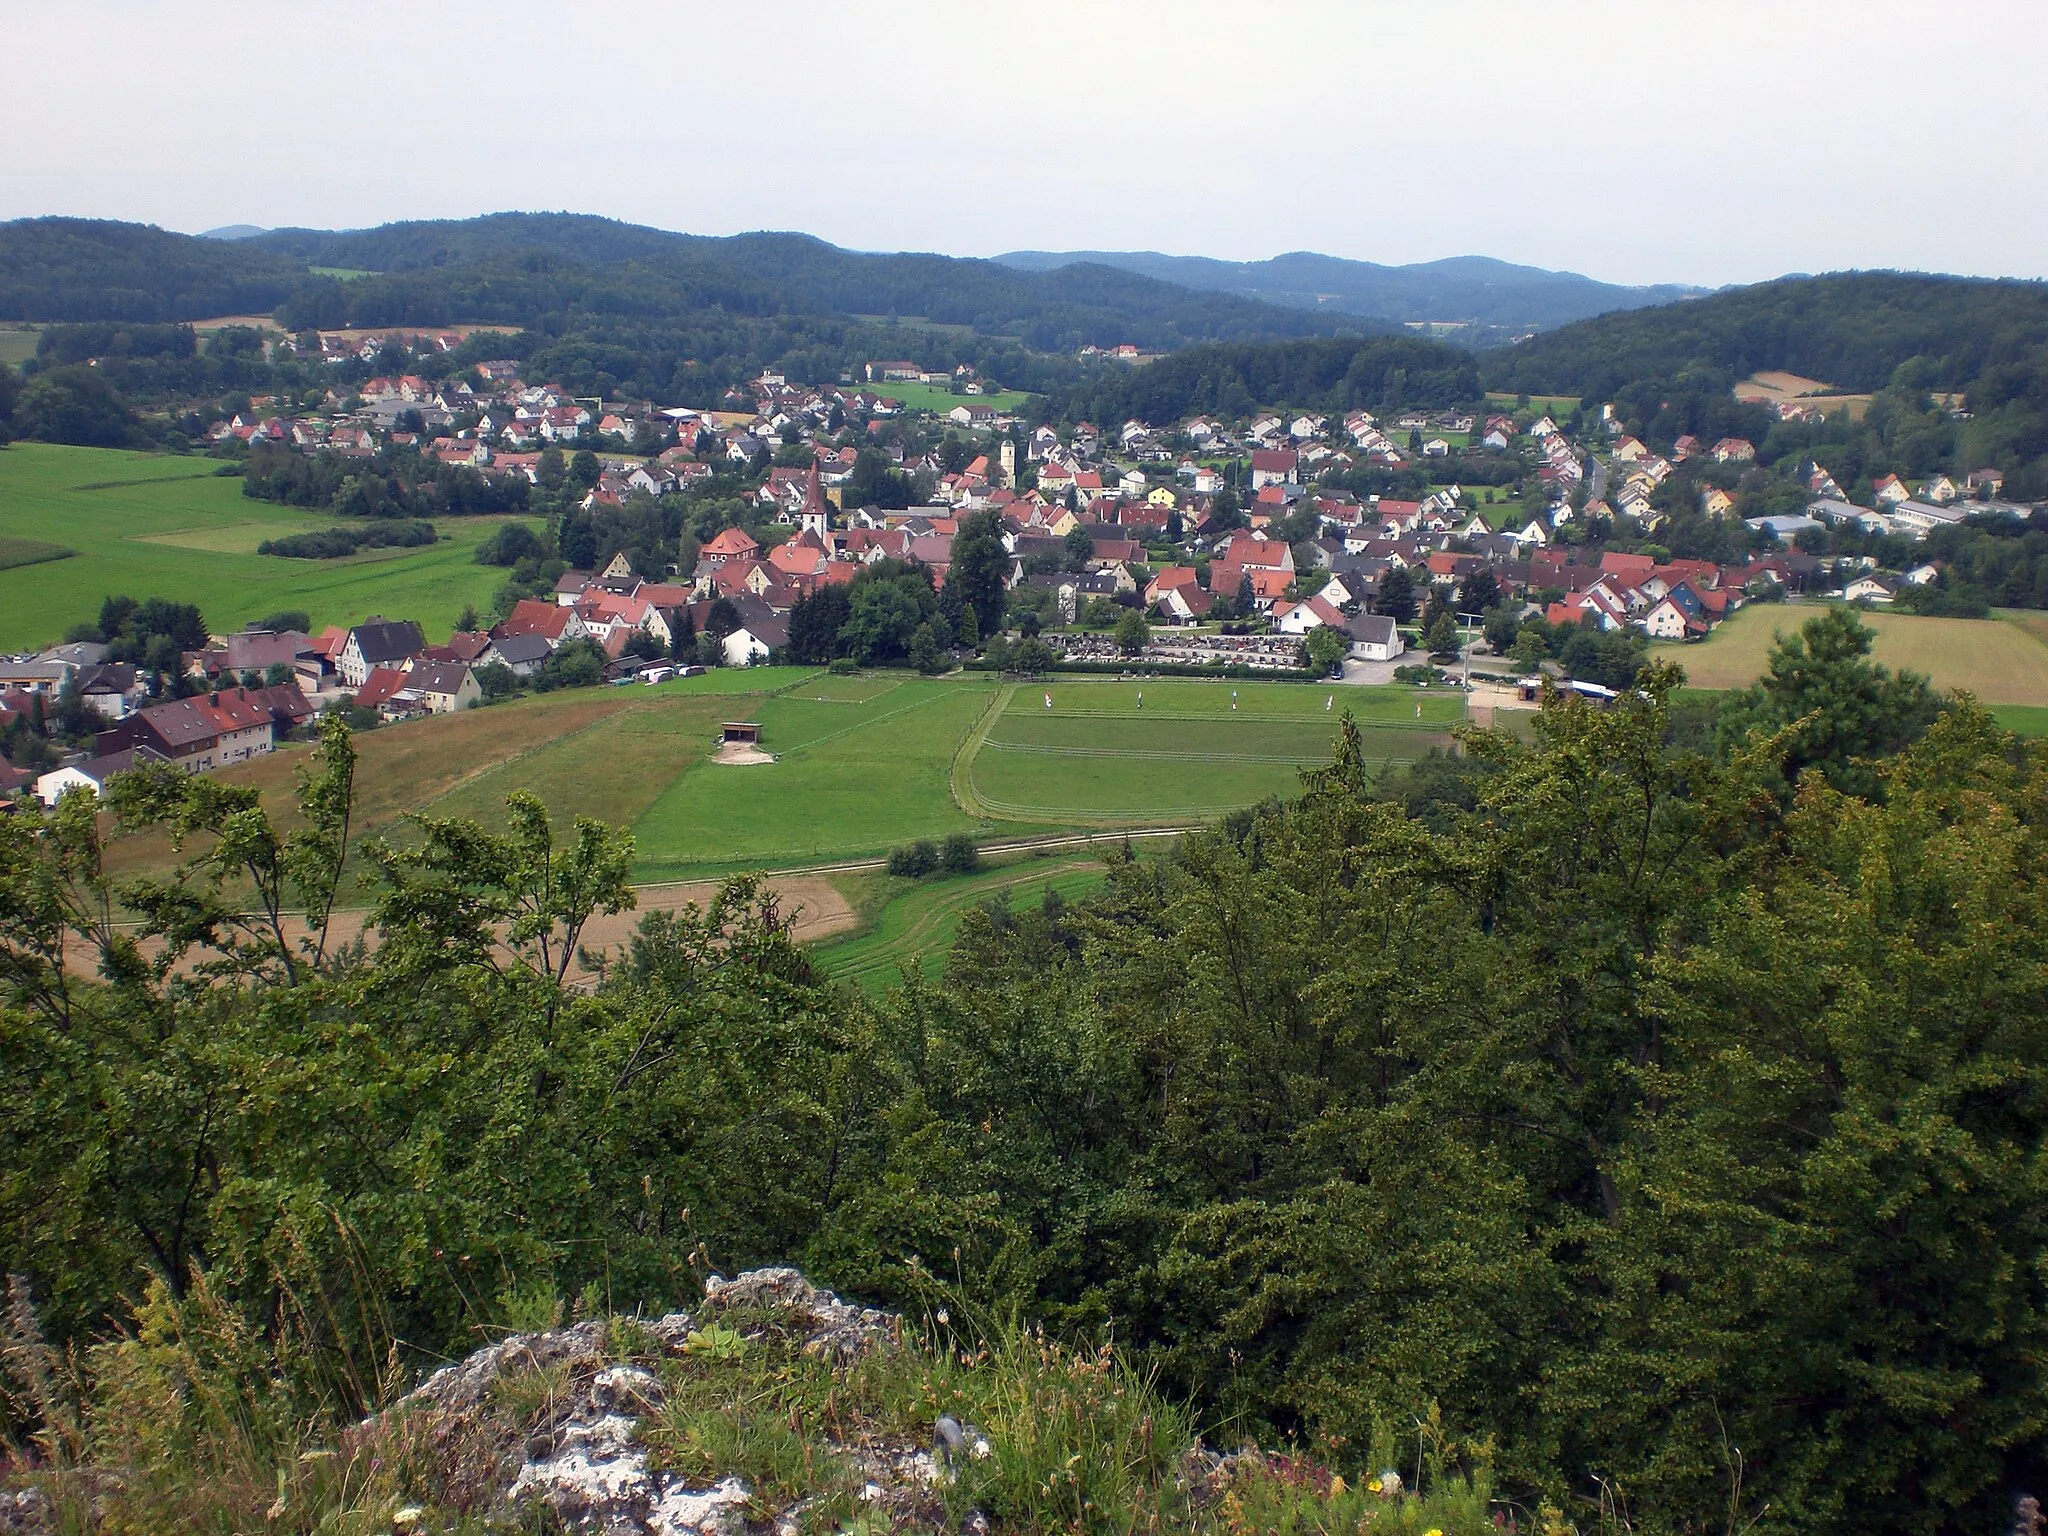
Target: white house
{"x":1871,"y":589}
{"x":1376,"y":637}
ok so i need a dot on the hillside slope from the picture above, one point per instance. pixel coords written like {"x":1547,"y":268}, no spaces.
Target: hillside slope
{"x":1472,"y":288}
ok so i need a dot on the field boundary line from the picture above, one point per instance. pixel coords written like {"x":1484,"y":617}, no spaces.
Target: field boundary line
{"x":960,"y":772}
{"x":1145,"y":754}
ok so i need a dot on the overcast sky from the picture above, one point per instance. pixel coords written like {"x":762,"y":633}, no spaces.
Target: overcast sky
{"x":1647,"y":141}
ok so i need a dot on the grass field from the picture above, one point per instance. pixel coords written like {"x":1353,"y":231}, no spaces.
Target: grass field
{"x":931,"y":397}
{"x":1113,"y":750}
{"x":917,"y":920}
{"x":2002,"y":660}
{"x":154,"y":525}
{"x":852,"y":777}
{"x":862,"y":763}
{"x":18,"y":343}
{"x":1549,"y":405}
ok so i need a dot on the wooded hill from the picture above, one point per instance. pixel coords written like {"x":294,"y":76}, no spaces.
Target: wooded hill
{"x":1904,"y":336}
{"x":552,"y":271}
{"x":1337,"y":374}
{"x":1494,"y":295}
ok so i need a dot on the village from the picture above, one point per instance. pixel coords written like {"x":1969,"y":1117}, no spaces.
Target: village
{"x":1234,"y":542}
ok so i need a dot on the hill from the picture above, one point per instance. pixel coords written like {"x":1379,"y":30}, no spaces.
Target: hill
{"x":1959,"y":367}
{"x":1853,"y":329}
{"x":1478,"y":289}
{"x":1328,"y":375}
{"x":95,"y":269}
{"x":548,"y":270}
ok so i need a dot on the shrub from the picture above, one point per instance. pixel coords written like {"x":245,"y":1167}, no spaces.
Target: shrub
{"x":914,"y":860}
{"x":959,"y":856}
{"x":843,"y":666}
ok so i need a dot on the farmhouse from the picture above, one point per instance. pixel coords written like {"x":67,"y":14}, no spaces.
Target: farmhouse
{"x":210,"y":730}
{"x":378,"y":643}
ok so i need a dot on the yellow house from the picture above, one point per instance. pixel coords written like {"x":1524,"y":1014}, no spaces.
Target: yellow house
{"x":1162,"y":496}
{"x":1717,"y":502}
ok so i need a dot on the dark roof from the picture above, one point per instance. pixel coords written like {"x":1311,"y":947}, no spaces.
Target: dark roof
{"x":438,"y":676}
{"x":382,"y":640}
{"x":519,"y":650}
{"x":1373,"y":629}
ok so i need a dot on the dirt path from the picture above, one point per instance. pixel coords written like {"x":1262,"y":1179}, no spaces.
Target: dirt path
{"x":820,"y":912}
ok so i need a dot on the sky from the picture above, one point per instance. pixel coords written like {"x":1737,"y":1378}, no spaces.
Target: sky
{"x":1711,"y":142}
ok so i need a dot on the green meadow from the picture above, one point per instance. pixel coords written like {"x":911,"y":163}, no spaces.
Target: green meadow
{"x":157,"y":525}
{"x":931,"y":397}
{"x":917,"y":920}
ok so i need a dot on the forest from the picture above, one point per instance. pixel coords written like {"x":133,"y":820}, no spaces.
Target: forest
{"x":1905,"y":337}
{"x":1334,"y":375}
{"x":1654,"y":1107}
{"x":562,"y":273}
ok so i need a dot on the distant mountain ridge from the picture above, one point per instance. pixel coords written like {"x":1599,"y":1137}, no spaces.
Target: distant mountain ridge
{"x":1495,"y":295}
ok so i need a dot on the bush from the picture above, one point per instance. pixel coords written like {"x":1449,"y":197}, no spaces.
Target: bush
{"x":336,"y":543}
{"x":959,"y":856}
{"x":843,"y":666}
{"x":1415,"y":673}
{"x":914,"y":860}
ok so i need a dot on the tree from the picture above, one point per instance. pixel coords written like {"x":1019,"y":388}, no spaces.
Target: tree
{"x":1033,"y":655}
{"x":1828,"y":706}
{"x":815,"y":620}
{"x":1397,"y":595}
{"x":958,"y":855}
{"x":1441,"y":637}
{"x":576,"y":664}
{"x":1133,"y":634}
{"x":924,"y":650}
{"x":584,"y":470}
{"x":1480,"y":593}
{"x":1079,"y":545}
{"x":1326,"y":648}
{"x":980,"y":569}
{"x":682,"y":642}
{"x":722,"y":619}
{"x":73,"y":405}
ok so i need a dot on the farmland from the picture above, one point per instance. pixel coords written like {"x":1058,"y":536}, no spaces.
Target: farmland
{"x":153,"y":525}
{"x":2003,"y":660}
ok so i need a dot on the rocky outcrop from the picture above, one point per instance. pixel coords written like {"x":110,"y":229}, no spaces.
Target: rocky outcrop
{"x":556,"y":1418}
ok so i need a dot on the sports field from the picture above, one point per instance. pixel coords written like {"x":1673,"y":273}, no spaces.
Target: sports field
{"x":156,"y":525}
{"x":1112,"y":750}
{"x":2002,"y":660}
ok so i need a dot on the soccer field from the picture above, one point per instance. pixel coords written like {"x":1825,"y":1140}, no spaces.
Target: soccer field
{"x":1103,"y":750}
{"x":159,"y":525}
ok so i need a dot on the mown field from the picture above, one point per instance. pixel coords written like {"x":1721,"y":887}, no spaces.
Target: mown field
{"x":2002,"y":660}
{"x":154,"y":525}
{"x":918,"y":920}
{"x":1114,"y":750}
{"x":862,"y":763}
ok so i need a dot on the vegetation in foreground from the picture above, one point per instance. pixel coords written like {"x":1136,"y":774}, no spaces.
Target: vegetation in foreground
{"x":1658,"y":1102}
